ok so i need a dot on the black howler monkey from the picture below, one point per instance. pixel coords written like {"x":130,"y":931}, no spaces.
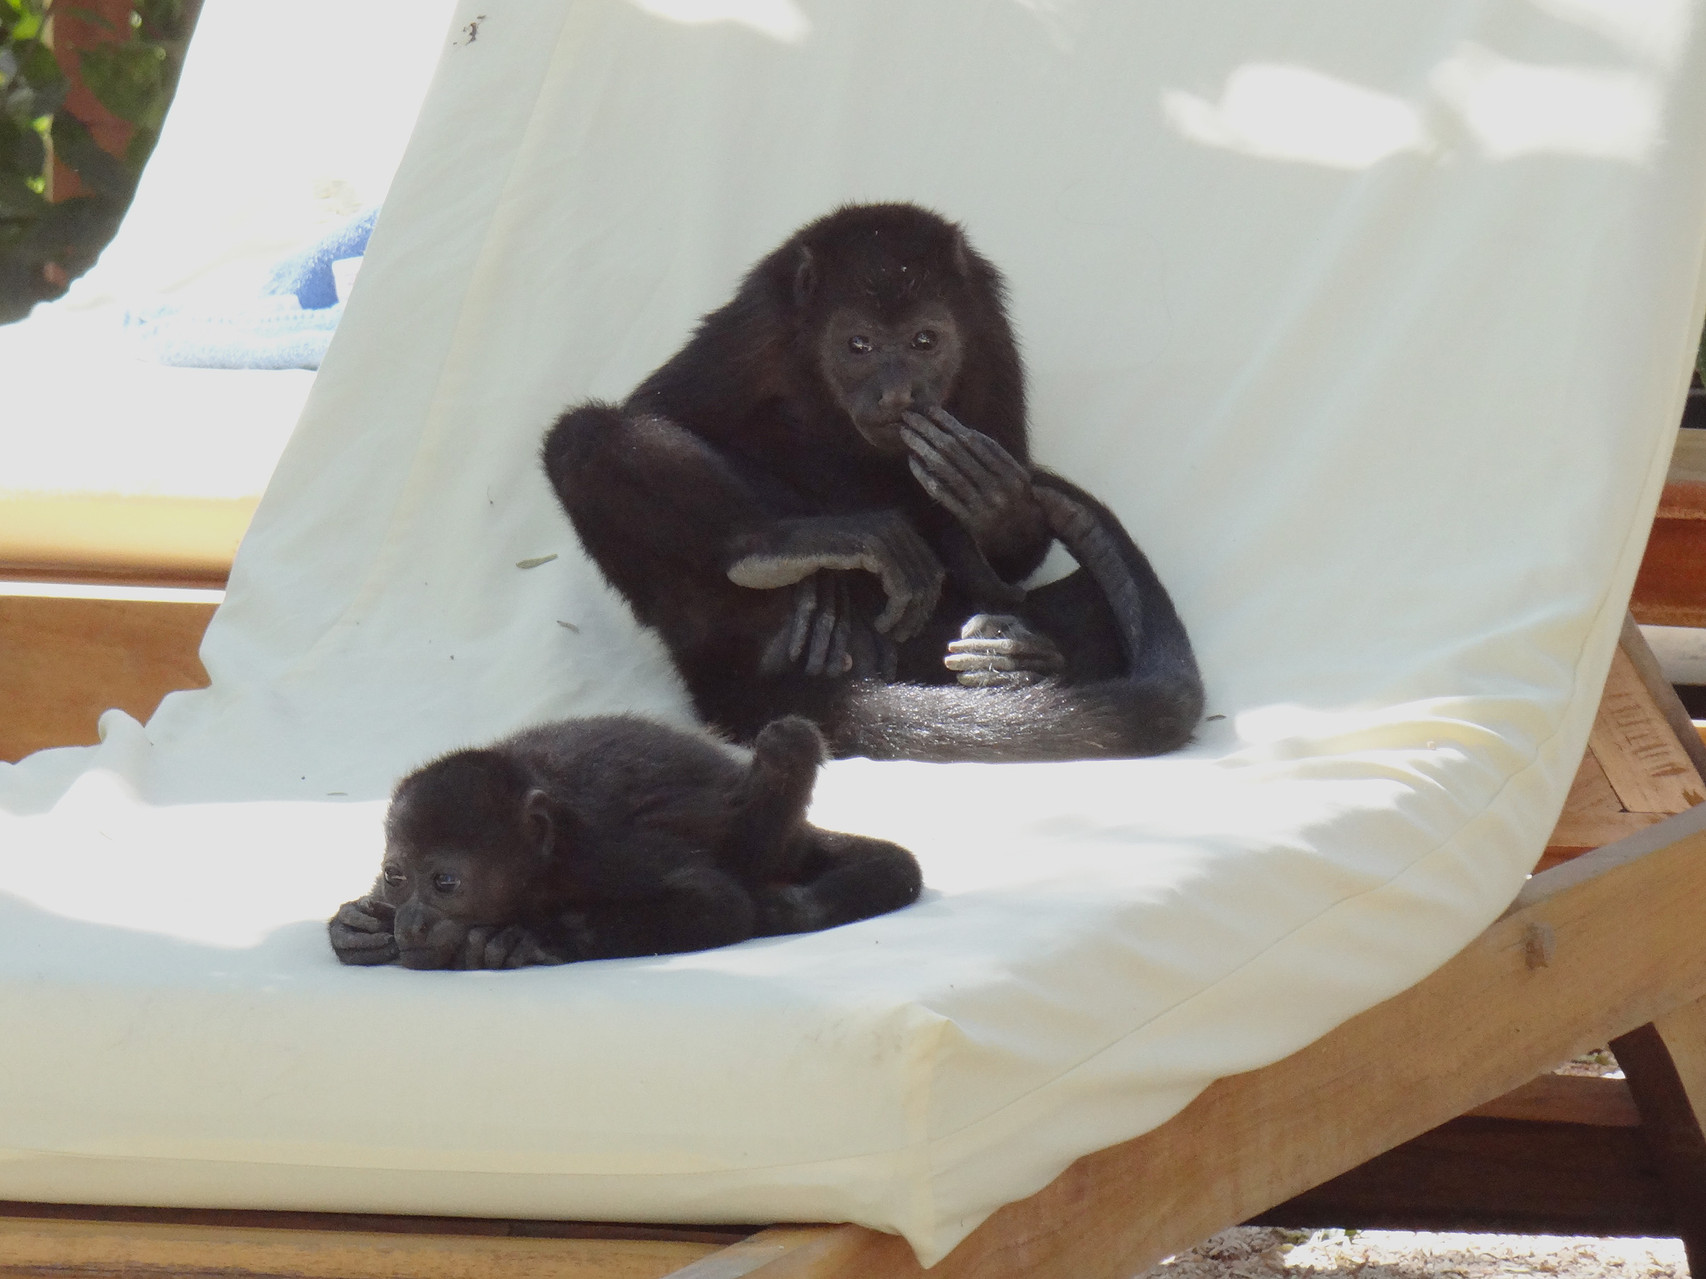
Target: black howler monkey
{"x":606,"y":837}
{"x":799,"y":504}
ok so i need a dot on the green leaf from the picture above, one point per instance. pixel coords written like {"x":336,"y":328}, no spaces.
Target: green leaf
{"x":37,"y":65}
{"x":139,"y":148}
{"x":21,"y":150}
{"x":129,"y":79}
{"x":164,"y":19}
{"x":104,"y":174}
{"x":16,"y":198}
{"x":28,"y":24}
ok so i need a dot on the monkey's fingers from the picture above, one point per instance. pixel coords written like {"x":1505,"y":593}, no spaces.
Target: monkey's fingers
{"x":838,"y":661}
{"x":362,"y":948}
{"x":472,"y":953}
{"x":1004,"y":655}
{"x":952,"y":467}
{"x":823,"y":631}
{"x":774,"y":659}
{"x":911,"y":577}
{"x":358,"y":916}
{"x":873,"y":654}
{"x":996,"y":460}
{"x":807,"y":600}
{"x":940,"y":493}
{"x":506,"y":948}
{"x":528,"y":951}
{"x":999,"y":679}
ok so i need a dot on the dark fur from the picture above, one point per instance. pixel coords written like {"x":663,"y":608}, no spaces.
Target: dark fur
{"x":601,"y":838}
{"x":738,"y":447}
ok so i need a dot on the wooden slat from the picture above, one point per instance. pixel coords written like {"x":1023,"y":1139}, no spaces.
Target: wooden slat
{"x":1596,"y":1101}
{"x":1641,"y":657}
{"x":1644,"y":759}
{"x":1504,"y":1176}
{"x":798,"y":1249}
{"x":1252,"y":1141}
{"x":31,"y":1246}
{"x":1645,"y":763}
{"x":1670,"y":588}
{"x":1666,"y":1064}
{"x":1593,"y":815}
{"x":162,"y":540}
{"x":64,"y":661}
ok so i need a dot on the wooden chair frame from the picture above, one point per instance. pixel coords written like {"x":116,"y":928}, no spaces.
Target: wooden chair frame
{"x":1606,"y":947}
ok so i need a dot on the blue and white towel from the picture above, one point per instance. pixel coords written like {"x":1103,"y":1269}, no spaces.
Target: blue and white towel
{"x":288,"y":325}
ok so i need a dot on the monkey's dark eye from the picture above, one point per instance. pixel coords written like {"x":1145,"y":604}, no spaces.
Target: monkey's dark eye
{"x":860,"y":345}
{"x":446,"y":883}
{"x":393,"y":876}
{"x":924,"y":339}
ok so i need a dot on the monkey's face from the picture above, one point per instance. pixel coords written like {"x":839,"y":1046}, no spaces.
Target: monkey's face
{"x":440,"y":893}
{"x":877,"y":369}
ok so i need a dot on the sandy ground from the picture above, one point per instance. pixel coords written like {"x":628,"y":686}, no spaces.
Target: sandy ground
{"x":1250,"y":1252}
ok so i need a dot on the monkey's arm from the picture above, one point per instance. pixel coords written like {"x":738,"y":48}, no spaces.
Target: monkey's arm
{"x":656,"y":504}
{"x":982,"y":485}
{"x":881,"y":543}
{"x":361,"y":931}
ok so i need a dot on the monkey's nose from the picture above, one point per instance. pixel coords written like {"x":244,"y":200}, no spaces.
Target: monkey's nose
{"x":896,"y":400}
{"x":412,"y":925}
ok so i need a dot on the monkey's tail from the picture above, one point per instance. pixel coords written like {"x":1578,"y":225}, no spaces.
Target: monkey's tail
{"x":1150,"y":710}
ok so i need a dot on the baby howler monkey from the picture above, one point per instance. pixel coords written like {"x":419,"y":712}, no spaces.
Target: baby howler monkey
{"x":608,"y":837}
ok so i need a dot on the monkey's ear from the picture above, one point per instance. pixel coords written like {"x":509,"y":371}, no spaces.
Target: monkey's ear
{"x":958,"y":254}
{"x":542,"y":823}
{"x":805,"y":277}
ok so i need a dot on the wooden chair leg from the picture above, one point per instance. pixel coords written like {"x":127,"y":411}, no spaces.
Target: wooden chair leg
{"x":1665,"y":1062}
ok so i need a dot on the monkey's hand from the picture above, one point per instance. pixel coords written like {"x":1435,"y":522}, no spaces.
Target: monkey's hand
{"x":514,"y":946}
{"x":361,"y":931}
{"x":882,"y":543}
{"x":997,"y":651}
{"x":980,"y":483}
{"x":826,"y":636}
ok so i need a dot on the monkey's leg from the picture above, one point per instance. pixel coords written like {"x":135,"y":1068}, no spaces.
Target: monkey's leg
{"x":843,"y":878}
{"x":698,"y":908}
{"x":669,"y":520}
{"x":361,"y":932}
{"x":980,"y":484}
{"x":770,"y":805}
{"x":996,"y":650}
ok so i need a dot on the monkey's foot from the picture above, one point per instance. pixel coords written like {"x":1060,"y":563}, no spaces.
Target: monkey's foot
{"x":996,"y":650}
{"x":789,"y":746}
{"x":361,"y":932}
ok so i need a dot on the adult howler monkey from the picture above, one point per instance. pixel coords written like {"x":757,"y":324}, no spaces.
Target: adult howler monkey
{"x":600,"y":838}
{"x":799,"y":504}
